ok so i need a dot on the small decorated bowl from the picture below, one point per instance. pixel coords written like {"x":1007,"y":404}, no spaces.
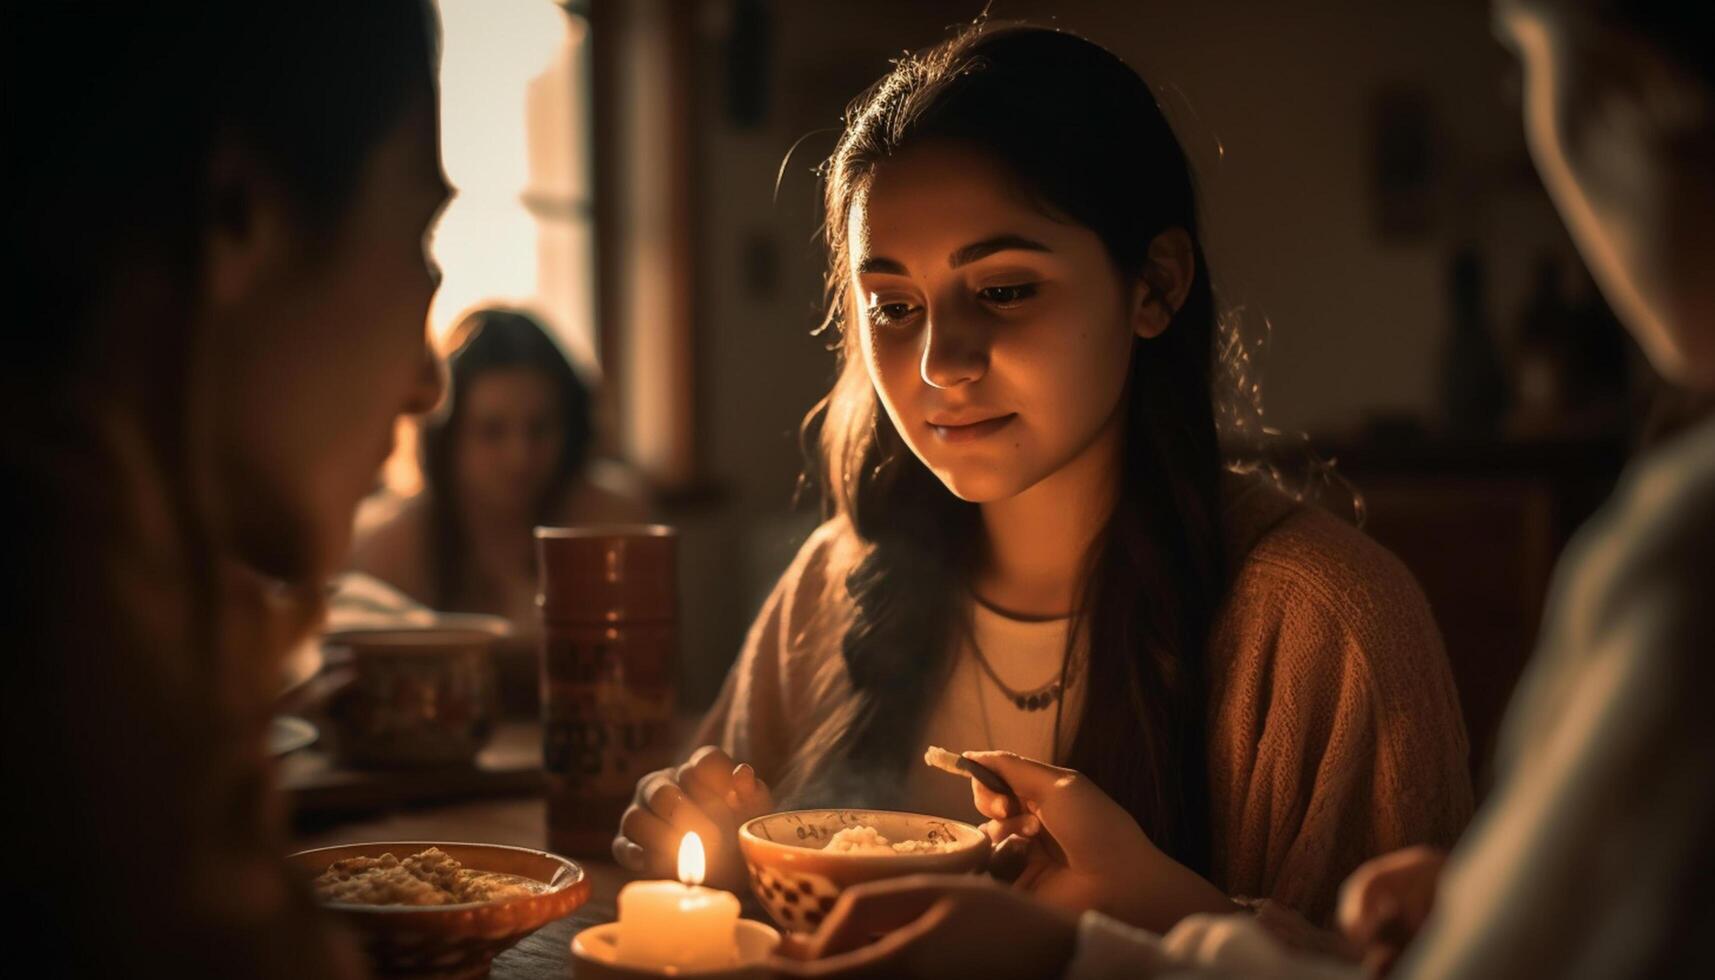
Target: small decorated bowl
{"x":453,"y":941}
{"x":801,"y":860}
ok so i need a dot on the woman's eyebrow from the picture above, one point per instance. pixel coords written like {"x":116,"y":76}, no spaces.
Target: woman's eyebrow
{"x":876,"y":263}
{"x":967,"y":254}
{"x":964,"y":255}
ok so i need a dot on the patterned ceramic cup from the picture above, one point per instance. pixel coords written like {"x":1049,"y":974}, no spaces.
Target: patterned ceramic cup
{"x":419,"y":697}
{"x":797,"y":879}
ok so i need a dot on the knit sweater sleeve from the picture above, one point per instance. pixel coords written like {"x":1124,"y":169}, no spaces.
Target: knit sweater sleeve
{"x":758,"y":717}
{"x":1335,"y":730}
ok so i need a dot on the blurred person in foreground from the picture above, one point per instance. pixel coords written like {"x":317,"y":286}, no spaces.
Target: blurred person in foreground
{"x":215,"y":231}
{"x":1595,"y":855}
{"x":509,"y":449}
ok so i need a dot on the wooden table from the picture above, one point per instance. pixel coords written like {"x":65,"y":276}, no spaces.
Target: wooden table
{"x":520,"y":822}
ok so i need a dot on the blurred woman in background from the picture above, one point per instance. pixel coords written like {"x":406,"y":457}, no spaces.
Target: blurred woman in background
{"x":509,"y":449}
{"x":215,"y":235}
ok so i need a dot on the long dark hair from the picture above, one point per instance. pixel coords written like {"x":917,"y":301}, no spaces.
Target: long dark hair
{"x":132,"y":691}
{"x":494,"y":339}
{"x":1080,"y":130}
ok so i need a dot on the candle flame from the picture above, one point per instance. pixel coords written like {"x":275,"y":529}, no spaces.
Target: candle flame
{"x":691,"y":861}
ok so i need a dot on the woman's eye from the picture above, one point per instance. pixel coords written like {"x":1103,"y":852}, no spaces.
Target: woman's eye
{"x":1007,"y":296}
{"x":886,"y":314}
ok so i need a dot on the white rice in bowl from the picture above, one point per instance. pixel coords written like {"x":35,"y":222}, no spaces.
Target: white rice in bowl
{"x":868,"y":840}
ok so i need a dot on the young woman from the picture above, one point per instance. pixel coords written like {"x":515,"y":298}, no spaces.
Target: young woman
{"x":1032,"y":542}
{"x":216,"y":247}
{"x":508,"y":450}
{"x":1594,"y":855}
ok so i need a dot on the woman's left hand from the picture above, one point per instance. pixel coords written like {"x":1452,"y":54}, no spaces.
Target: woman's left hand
{"x":935,"y":926}
{"x":1087,"y":852}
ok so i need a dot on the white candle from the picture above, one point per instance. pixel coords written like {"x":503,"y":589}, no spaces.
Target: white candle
{"x":668,"y":925}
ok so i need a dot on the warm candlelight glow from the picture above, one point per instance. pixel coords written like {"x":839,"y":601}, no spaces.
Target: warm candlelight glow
{"x":678,"y":925}
{"x":691,"y":862}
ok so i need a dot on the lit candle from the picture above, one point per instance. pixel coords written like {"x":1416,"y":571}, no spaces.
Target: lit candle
{"x":678,"y":925}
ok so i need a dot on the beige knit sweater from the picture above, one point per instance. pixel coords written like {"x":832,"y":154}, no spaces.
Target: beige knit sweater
{"x":1334,"y":727}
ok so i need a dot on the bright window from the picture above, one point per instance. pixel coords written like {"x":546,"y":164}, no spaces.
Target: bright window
{"x":515,"y":138}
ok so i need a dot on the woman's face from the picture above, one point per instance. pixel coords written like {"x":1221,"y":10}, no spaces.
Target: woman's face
{"x":321,"y":345}
{"x":998,"y":338}
{"x":1625,"y":145}
{"x":508,"y":441}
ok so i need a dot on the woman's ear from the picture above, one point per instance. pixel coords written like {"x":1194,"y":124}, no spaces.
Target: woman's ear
{"x":246,"y":239}
{"x":1164,"y":283}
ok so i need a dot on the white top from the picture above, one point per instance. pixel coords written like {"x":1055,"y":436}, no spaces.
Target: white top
{"x":973,"y":713}
{"x":1200,"y":947}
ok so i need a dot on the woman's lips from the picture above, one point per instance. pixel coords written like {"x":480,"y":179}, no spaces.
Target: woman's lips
{"x":972,"y":430}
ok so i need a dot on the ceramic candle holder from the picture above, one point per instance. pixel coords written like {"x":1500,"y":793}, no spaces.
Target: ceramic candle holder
{"x":596,"y":951}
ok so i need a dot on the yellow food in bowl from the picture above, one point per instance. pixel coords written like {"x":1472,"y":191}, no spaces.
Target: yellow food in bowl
{"x":430,"y":877}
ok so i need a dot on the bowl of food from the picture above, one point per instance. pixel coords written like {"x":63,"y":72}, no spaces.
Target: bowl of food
{"x":425,"y":909}
{"x":801,"y":860}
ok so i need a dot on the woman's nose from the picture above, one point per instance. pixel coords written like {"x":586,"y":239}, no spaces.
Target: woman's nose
{"x":955,"y":351}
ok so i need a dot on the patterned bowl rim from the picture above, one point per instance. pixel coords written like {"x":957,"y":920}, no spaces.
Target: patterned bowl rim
{"x":976,"y":838}
{"x":569,"y":875}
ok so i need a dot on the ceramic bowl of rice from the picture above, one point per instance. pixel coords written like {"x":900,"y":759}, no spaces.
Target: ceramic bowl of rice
{"x":800,"y":860}
{"x":427,"y":909}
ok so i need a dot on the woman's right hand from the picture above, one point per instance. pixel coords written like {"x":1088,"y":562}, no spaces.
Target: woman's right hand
{"x":1086,"y":851}
{"x":708,"y":794}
